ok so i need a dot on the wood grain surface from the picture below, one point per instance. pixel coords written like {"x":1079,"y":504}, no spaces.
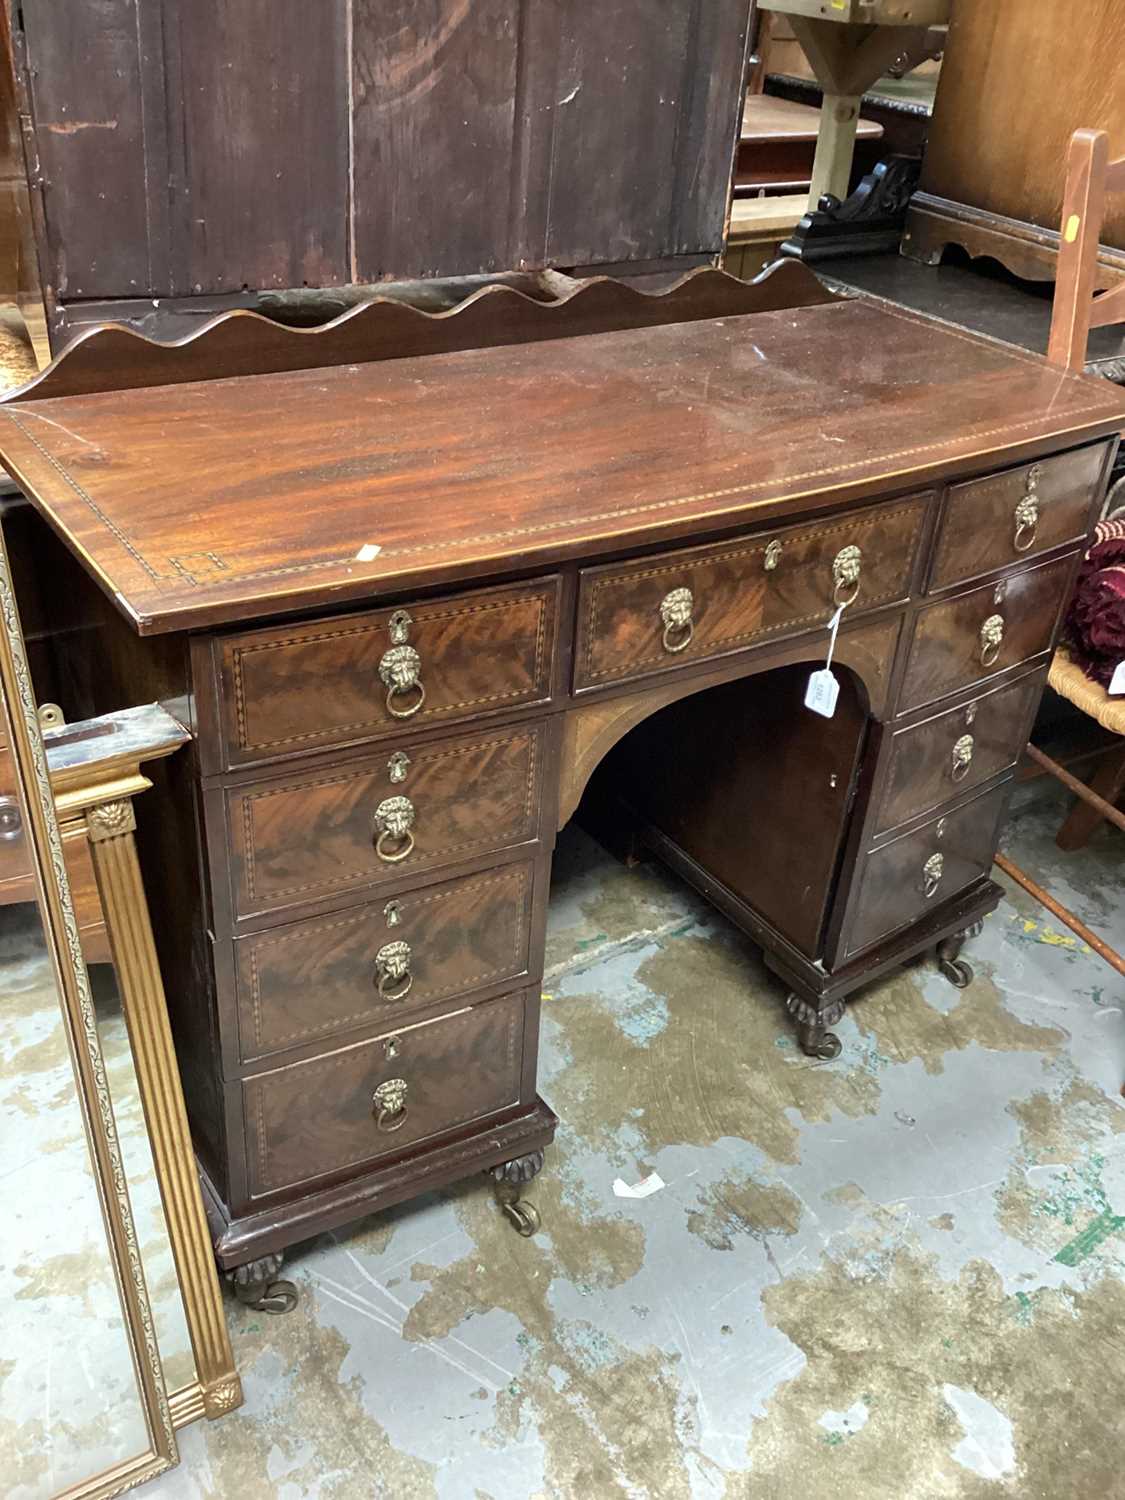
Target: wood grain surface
{"x":315,"y":1118}
{"x":319,"y":978}
{"x":210,"y":502}
{"x":298,"y":838}
{"x":946,"y":652}
{"x":978,"y":531}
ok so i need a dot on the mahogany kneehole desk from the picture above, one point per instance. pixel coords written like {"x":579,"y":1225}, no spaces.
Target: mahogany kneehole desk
{"x":415,"y":597}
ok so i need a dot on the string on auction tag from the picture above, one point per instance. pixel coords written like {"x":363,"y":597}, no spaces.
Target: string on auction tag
{"x":823,"y":689}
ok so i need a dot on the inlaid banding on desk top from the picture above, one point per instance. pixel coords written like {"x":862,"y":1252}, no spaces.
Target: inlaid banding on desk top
{"x":200,"y":503}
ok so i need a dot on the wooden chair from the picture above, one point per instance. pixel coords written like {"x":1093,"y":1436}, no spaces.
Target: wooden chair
{"x":1090,"y":176}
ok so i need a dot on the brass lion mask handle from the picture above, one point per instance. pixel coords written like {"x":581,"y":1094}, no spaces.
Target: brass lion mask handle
{"x":846,"y":567}
{"x":932,"y":872}
{"x":1027,"y":513}
{"x":962,"y":757}
{"x":675,"y":615}
{"x":393,"y":978}
{"x":991,"y":639}
{"x":400,"y":669}
{"x":389,"y":1103}
{"x":394,"y":820}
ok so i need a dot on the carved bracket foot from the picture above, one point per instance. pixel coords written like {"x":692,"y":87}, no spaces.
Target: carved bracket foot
{"x":257,"y":1285}
{"x":510,"y":1177}
{"x":813,"y":1035}
{"x":950,"y":964}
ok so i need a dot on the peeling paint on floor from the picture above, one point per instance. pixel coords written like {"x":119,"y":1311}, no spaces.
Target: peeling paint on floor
{"x":896,"y":1276}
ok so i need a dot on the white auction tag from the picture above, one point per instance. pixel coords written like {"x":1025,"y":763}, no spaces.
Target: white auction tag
{"x":823,"y":689}
{"x":822,"y":692}
{"x":1117,"y":681}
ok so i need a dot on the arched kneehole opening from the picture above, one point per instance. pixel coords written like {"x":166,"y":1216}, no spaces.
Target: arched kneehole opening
{"x":744,"y":792}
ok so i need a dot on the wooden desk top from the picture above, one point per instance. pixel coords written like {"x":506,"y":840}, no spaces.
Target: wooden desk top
{"x":224,"y":500}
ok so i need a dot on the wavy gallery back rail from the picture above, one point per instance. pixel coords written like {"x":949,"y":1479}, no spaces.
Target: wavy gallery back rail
{"x":410,"y":593}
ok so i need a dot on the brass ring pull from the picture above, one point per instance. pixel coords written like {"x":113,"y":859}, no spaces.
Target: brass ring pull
{"x":393,"y":978}
{"x":394,"y":820}
{"x":932,"y":872}
{"x":991,"y":637}
{"x":400,"y":670}
{"x":845,"y":576}
{"x":962,"y":757}
{"x":675,"y":613}
{"x":1027,"y":522}
{"x":389,"y":1103}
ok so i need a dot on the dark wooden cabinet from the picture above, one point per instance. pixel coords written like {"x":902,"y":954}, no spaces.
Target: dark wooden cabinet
{"x":612,"y":554}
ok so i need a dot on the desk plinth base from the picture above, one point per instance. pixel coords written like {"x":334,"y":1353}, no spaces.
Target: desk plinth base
{"x":240,"y":1240}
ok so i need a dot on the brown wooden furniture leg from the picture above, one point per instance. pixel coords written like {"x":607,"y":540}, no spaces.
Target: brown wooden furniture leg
{"x":1085,"y":817}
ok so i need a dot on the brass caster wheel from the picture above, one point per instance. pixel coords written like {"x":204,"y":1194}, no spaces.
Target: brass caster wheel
{"x":823,"y":1045}
{"x":259,"y":1286}
{"x":278,"y":1297}
{"x":523,"y":1215}
{"x":957,"y":971}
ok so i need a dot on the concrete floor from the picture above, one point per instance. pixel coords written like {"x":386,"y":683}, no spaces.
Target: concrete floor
{"x":900,"y":1274}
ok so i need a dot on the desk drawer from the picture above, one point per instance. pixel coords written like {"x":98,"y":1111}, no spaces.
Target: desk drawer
{"x":379,"y":962}
{"x":730,"y":594}
{"x":988,"y":523}
{"x":337,"y":1112}
{"x":302,"y":687}
{"x":954,"y":751}
{"x":905,"y":878}
{"x":384,"y":818}
{"x":972,"y":637}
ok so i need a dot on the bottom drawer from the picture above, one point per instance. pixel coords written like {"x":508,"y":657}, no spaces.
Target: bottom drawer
{"x":901,"y":881}
{"x":340,"y":1111}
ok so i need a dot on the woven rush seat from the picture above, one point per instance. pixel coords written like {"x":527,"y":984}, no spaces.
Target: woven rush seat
{"x":1067,"y":678}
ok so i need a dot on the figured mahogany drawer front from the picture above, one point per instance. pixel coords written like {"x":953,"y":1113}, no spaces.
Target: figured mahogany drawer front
{"x":635,"y":619}
{"x":390,"y":671}
{"x":383,"y":818}
{"x":378,"y":962}
{"x":907,"y":877}
{"x":942,"y":757}
{"x":988,"y":523}
{"x":975,"y":635}
{"x":337,"y":1112}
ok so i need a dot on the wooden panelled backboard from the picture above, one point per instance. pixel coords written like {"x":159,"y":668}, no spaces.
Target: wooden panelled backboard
{"x":207,"y":148}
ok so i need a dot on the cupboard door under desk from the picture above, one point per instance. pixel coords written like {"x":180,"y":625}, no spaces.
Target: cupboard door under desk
{"x":956,"y":750}
{"x":905,"y":878}
{"x":290,"y":689}
{"x":368,"y":822}
{"x":381,"y":962}
{"x":991,"y":522}
{"x":635,"y":619}
{"x":339,"y":1111}
{"x":976,"y":635}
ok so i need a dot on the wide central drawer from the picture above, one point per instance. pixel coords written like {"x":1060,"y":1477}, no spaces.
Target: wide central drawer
{"x":635,"y":619}
{"x":290,"y":689}
{"x":964,"y":640}
{"x":337,"y":1112}
{"x":381,"y":961}
{"x":904,"y":879}
{"x":388,"y":816}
